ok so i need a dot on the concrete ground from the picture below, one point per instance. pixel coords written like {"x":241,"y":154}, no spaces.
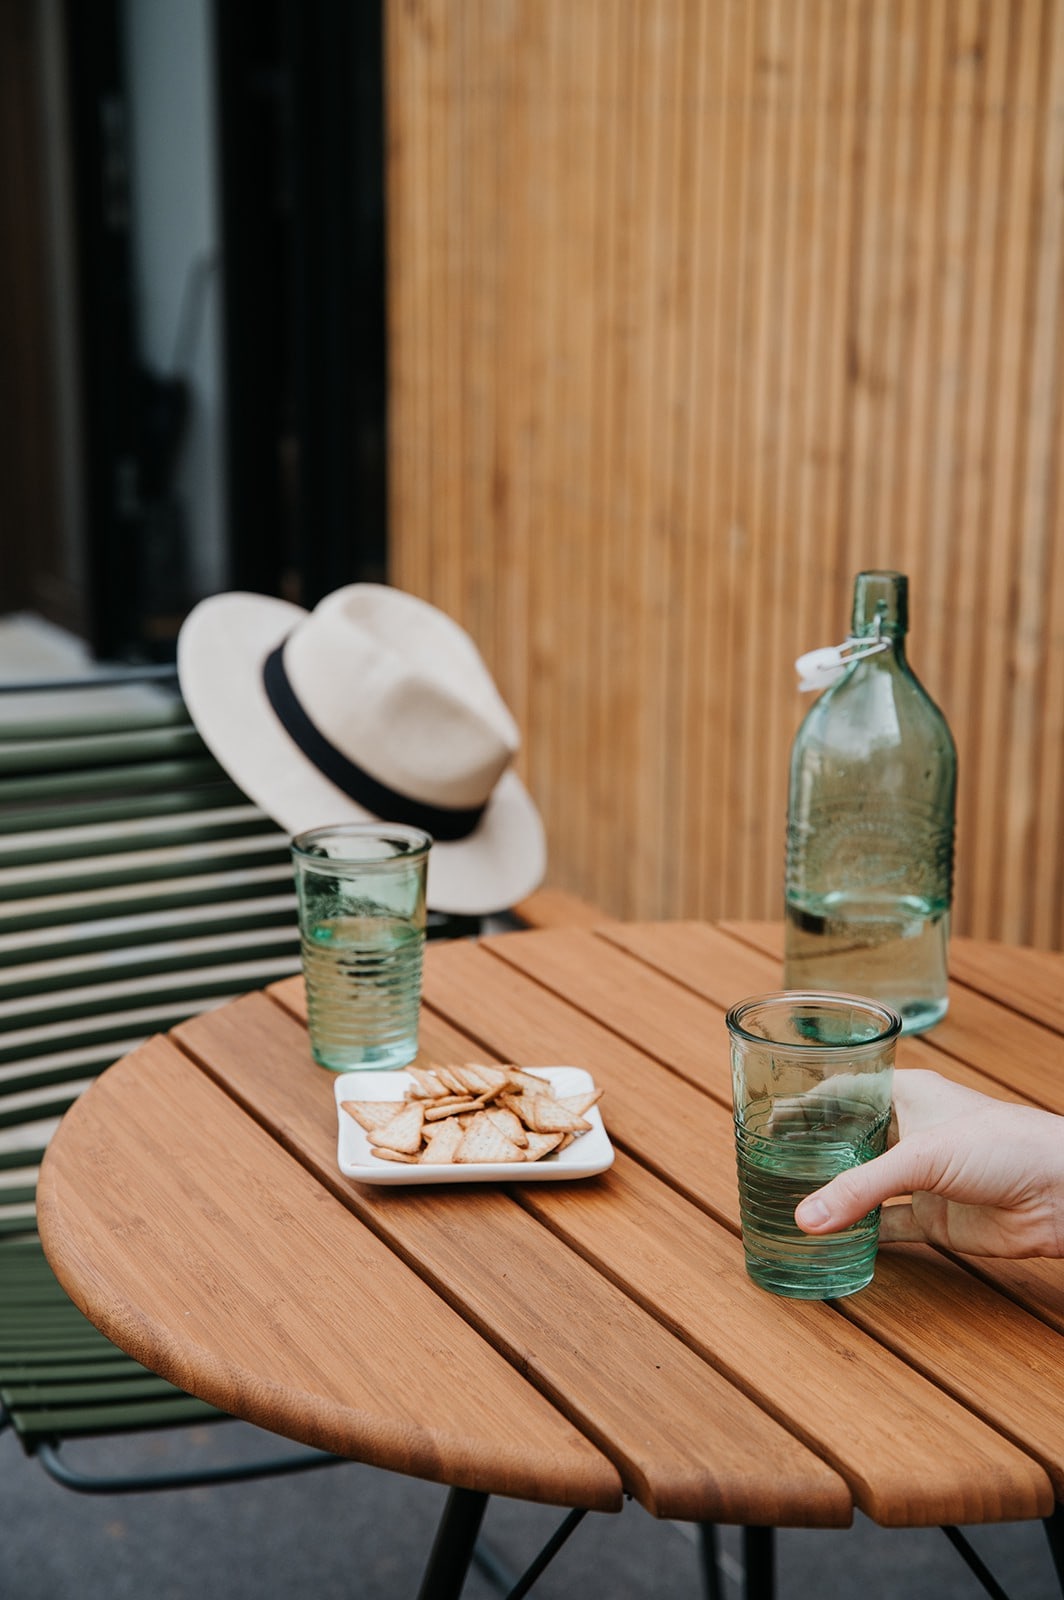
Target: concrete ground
{"x":352,"y":1533}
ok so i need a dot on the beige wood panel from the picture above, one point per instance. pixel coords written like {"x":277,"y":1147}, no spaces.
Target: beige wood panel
{"x":697,"y":308}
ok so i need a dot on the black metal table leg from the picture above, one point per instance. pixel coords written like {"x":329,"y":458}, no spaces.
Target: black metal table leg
{"x":976,"y":1565}
{"x":709,"y":1546}
{"x":546,"y":1555}
{"x":1054,"y":1526}
{"x":759,"y":1563}
{"x":452,"y":1549}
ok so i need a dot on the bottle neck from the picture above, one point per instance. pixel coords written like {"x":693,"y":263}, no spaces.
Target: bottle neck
{"x":881,"y":607}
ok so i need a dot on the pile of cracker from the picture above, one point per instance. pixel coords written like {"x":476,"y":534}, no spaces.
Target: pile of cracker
{"x":473,"y":1113}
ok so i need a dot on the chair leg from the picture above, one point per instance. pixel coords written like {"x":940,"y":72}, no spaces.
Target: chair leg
{"x":86,"y":1483}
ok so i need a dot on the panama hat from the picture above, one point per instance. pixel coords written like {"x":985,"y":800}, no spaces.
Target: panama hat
{"x":375,"y":705}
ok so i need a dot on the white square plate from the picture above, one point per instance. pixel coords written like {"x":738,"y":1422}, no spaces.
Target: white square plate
{"x":589,"y":1154}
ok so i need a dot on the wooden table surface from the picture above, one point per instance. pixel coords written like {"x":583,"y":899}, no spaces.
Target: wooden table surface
{"x":568,"y":1343}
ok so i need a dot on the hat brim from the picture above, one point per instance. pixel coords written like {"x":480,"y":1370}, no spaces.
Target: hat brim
{"x":221,"y":649}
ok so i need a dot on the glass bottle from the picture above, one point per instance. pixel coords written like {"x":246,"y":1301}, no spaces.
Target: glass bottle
{"x":870,"y":824}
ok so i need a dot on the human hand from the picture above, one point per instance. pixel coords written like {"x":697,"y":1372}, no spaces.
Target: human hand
{"x":986,"y":1176}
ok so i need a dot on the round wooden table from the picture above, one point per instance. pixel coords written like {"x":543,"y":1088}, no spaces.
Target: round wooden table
{"x":571,"y":1342}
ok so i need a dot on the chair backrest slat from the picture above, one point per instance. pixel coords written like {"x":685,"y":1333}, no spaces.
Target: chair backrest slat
{"x":138,"y":887}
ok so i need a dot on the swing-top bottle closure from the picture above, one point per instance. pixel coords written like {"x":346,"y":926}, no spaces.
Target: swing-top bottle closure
{"x":819,"y":669}
{"x":879,"y":622}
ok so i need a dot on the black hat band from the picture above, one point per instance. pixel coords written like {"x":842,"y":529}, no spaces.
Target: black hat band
{"x":445,"y":823}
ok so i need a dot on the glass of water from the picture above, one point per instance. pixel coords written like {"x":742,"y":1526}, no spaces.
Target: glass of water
{"x":812,"y":1076}
{"x":361,"y":892}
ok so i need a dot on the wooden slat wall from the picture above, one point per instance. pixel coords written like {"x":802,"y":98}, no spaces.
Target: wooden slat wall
{"x":697,"y":308}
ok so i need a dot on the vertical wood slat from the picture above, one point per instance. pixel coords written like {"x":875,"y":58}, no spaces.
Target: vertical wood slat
{"x":999,"y":898}
{"x":599,"y":796}
{"x":698,"y":307}
{"x":1048,"y":851}
{"x":967,"y":664}
{"x":1036,"y":722}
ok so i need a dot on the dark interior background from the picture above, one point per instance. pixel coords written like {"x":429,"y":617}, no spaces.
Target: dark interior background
{"x":298,"y":87}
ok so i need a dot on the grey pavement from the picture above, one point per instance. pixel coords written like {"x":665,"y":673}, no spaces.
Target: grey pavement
{"x":353,"y":1533}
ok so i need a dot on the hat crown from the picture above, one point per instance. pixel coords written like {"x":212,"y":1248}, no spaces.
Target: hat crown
{"x":400,"y":690}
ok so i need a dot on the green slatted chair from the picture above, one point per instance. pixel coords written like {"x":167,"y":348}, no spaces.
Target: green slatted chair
{"x":138,"y":886}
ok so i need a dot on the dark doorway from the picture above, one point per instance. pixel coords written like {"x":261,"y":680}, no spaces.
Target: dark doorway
{"x":299,"y":162}
{"x":109,"y":404}
{"x":300,"y":119}
{"x":33,"y":572}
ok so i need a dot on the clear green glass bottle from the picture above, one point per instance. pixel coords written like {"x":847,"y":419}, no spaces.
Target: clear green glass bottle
{"x":870,"y":824}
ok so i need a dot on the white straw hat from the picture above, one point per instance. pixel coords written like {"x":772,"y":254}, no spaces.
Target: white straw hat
{"x":373,"y":705}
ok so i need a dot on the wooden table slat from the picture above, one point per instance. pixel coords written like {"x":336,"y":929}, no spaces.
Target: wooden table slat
{"x":1032,"y":981}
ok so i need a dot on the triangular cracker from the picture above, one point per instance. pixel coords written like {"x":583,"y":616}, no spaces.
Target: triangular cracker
{"x":450,"y":1079}
{"x":541,"y":1144}
{"x":403,"y":1132}
{"x":482,"y":1142}
{"x":544,"y":1114}
{"x":484,"y":1078}
{"x":441,"y":1141}
{"x":370,"y":1114}
{"x":451,"y":1107}
{"x":508,"y":1123}
{"x":527,"y":1082}
{"x":426,"y":1084}
{"x":579,"y":1103}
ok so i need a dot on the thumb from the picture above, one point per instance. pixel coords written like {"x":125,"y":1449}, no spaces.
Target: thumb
{"x":855,"y":1192}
